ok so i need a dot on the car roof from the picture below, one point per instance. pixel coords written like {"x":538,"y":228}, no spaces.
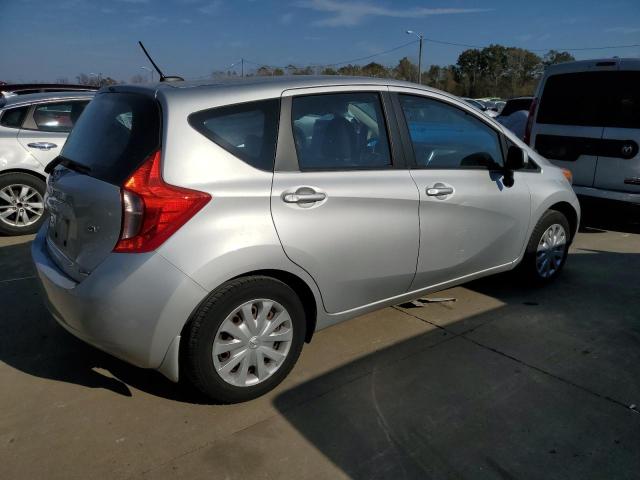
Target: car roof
{"x":28,"y":99}
{"x":597,"y":64}
{"x":258,"y":86}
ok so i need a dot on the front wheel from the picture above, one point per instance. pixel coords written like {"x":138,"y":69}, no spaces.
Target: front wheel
{"x":244,"y":340}
{"x":548,"y":248}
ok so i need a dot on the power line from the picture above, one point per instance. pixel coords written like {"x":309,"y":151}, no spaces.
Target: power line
{"x":442,"y":42}
{"x":431,"y":40}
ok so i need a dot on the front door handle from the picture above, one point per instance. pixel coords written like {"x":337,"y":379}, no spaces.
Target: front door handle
{"x":439,"y":190}
{"x":303,"y":197}
{"x":42,"y":145}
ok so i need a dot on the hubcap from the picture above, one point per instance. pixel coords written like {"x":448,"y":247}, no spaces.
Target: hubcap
{"x":20,"y":205}
{"x":252,"y":342}
{"x":551,"y":250}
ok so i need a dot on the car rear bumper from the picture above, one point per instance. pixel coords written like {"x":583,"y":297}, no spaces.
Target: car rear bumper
{"x":132,"y":306}
{"x":607,"y":194}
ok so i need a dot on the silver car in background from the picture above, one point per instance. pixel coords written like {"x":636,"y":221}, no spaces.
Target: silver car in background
{"x":33,"y":129}
{"x":207,"y":231}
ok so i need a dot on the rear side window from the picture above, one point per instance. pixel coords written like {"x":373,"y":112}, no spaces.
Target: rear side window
{"x":57,"y":117}
{"x":247,"y":130}
{"x":114,"y":135}
{"x":14,"y":117}
{"x":446,"y":137}
{"x":599,"y":99}
{"x":340,"y":131}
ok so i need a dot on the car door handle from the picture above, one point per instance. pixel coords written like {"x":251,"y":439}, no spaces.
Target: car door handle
{"x":304,"y":197}
{"x":438,"y":189}
{"x":42,"y":145}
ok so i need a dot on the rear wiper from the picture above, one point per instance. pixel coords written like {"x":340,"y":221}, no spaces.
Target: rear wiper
{"x":67,"y":162}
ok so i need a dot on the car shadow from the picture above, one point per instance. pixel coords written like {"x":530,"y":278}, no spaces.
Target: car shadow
{"x":600,"y":215}
{"x":536,"y":388}
{"x":32,"y":342}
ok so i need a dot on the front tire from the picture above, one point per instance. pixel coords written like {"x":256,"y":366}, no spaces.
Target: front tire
{"x":21,"y":203}
{"x":547,"y":249}
{"x":244,"y":340}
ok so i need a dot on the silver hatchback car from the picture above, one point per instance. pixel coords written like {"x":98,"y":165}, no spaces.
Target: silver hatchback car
{"x":207,"y":231}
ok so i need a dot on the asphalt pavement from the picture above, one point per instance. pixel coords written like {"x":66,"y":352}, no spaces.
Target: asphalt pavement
{"x":503,"y":382}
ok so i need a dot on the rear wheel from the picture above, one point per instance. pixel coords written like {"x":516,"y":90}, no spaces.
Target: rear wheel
{"x":245,"y":339}
{"x":21,"y":203}
{"x":547,"y":249}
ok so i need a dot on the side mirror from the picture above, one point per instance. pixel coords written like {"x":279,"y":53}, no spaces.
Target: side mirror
{"x":515,"y":158}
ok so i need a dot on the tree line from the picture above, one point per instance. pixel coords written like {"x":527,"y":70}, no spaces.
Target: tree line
{"x":493,"y":71}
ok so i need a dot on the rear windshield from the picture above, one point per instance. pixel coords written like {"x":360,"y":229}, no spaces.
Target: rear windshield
{"x":599,"y":99}
{"x":114,"y":135}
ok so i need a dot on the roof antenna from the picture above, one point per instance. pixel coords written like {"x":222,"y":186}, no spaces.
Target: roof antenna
{"x":163,"y":77}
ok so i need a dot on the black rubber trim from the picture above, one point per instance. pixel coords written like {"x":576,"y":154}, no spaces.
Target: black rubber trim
{"x":569,"y":149}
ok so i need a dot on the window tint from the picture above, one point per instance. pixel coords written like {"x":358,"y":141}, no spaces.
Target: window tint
{"x":600,"y":99}
{"x":247,"y":130}
{"x":116,"y":133}
{"x":444,"y":136}
{"x":340,"y":131}
{"x":14,"y":117}
{"x":57,"y":117}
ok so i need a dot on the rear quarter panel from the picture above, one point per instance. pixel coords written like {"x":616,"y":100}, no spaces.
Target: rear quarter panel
{"x":234,"y":233}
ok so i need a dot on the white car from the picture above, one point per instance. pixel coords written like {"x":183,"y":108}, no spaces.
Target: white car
{"x":586,"y":117}
{"x":33,"y":129}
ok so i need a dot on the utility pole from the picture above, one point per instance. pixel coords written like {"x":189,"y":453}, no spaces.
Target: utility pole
{"x":242,"y":67}
{"x":420,"y":61}
{"x":421,"y":39}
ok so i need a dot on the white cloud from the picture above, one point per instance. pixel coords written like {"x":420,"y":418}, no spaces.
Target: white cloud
{"x":210,"y":8}
{"x":286,"y":18}
{"x":343,"y":14}
{"x":623,"y":30}
{"x":149,"y":21}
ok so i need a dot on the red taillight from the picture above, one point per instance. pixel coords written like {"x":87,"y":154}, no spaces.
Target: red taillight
{"x":154,"y":210}
{"x":532,"y":114}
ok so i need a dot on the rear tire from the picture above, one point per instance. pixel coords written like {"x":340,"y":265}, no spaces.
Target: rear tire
{"x":547,"y":249}
{"x":21,"y":203}
{"x":231,"y":322}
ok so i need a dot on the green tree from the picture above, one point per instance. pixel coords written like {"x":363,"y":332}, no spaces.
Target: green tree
{"x":374,"y":69}
{"x":406,"y":70}
{"x":329,"y":71}
{"x":554,"y":56}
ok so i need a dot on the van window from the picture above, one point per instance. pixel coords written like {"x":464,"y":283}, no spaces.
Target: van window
{"x":598,"y":99}
{"x":247,"y":130}
{"x":114,"y":135}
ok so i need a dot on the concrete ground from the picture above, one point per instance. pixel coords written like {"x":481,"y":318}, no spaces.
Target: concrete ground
{"x":505,"y":382}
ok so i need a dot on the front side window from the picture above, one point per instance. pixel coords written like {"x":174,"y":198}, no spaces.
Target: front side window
{"x":340,"y":131}
{"x":57,"y":117}
{"x":13,"y":117}
{"x":446,"y":137}
{"x":247,"y":130}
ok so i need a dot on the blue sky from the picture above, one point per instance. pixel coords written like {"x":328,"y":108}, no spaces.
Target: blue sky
{"x":48,"y":39}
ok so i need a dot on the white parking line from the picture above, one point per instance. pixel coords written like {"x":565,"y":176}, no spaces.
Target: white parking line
{"x":16,"y":279}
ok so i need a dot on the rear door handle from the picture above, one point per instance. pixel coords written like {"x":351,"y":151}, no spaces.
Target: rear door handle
{"x":438,"y":190}
{"x":42,"y":145}
{"x":303,"y":197}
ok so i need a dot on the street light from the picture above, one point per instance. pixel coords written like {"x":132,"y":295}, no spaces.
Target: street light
{"x":421,"y":37}
{"x":150,"y":72}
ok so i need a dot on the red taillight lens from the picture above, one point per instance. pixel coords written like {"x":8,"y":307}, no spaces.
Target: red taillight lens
{"x":154,"y":210}
{"x":532,"y":114}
